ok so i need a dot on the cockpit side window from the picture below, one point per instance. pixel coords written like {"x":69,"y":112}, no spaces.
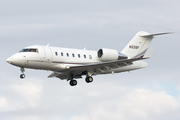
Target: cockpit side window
{"x":24,"y":50}
{"x":29,"y":50}
{"x":33,"y":50}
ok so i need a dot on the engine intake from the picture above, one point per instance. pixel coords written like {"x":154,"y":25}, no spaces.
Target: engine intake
{"x":105,"y":54}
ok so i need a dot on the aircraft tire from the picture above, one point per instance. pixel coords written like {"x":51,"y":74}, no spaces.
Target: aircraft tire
{"x":73,"y":82}
{"x":22,"y":76}
{"x":89,"y":79}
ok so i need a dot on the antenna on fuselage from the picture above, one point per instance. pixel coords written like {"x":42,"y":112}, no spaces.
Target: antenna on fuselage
{"x":47,"y":45}
{"x":84,"y":48}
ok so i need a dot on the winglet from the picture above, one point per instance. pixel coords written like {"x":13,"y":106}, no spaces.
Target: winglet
{"x":149,"y":53}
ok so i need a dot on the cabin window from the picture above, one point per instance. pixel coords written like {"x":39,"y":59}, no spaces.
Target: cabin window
{"x":67,"y":54}
{"x":61,"y":53}
{"x":29,"y":50}
{"x":84,"y":56}
{"x":90,"y":57}
{"x":56,"y":53}
{"x":73,"y":55}
{"x":79,"y":55}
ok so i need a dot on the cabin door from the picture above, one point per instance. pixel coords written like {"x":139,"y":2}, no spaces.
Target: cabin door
{"x":47,"y":54}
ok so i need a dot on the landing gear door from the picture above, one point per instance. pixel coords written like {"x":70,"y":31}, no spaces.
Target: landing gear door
{"x":47,"y":54}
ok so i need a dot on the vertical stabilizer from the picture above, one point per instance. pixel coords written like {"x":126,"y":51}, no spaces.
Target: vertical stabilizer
{"x":139,"y":44}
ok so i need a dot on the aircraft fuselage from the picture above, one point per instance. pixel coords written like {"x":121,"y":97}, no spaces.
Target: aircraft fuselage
{"x":57,"y":59}
{"x":71,"y":64}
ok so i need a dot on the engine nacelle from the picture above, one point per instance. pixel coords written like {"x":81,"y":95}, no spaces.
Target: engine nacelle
{"x":105,"y":54}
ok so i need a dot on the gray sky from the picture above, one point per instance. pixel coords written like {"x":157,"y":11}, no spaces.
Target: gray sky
{"x":146,"y":94}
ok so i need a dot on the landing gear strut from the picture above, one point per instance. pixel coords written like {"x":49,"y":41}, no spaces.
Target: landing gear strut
{"x":22,"y":75}
{"x":72,"y":82}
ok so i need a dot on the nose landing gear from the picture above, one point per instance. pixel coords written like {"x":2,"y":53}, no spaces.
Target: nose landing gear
{"x":22,"y":75}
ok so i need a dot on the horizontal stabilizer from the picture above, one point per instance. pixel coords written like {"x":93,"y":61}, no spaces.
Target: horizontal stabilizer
{"x":151,"y":35}
{"x":149,"y":53}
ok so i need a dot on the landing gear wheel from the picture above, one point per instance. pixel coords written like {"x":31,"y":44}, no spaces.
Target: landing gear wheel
{"x":89,"y":79}
{"x":22,"y":76}
{"x":73,"y":82}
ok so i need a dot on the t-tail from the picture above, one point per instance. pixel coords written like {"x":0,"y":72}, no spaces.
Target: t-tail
{"x":138,"y":46}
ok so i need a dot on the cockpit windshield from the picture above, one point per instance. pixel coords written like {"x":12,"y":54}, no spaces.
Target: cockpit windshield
{"x":29,"y":50}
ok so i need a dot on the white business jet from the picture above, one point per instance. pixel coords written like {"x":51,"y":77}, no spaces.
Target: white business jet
{"x":71,"y":64}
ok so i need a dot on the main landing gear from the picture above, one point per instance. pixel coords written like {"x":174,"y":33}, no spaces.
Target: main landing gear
{"x":22,"y":75}
{"x":88,"y":79}
{"x":73,"y":82}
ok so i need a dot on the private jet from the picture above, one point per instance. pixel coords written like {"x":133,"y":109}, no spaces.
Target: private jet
{"x":70,"y":64}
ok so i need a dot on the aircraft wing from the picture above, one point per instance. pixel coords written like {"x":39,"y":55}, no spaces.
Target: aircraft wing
{"x":77,"y":71}
{"x":100,"y":67}
{"x":109,"y":64}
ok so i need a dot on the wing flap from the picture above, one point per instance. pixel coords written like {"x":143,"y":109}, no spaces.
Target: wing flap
{"x":102,"y":65}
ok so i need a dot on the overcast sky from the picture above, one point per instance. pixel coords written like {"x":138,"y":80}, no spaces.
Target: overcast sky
{"x":152,"y":93}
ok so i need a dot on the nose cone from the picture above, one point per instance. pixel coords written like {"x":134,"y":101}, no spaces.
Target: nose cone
{"x":16,"y":60}
{"x":9,"y":60}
